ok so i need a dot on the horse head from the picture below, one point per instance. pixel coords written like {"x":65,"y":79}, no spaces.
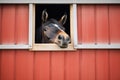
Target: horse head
{"x":53,"y":31}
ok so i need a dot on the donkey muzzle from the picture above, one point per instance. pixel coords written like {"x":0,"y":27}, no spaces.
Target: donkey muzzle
{"x":63,"y":41}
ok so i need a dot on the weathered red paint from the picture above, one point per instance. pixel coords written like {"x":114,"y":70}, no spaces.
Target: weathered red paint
{"x":96,"y":24}
{"x":114,"y":22}
{"x":0,"y":36}
{"x":8,"y":24}
{"x":22,"y":16}
{"x":102,"y":24}
{"x":23,"y":65}
{"x":114,"y":18}
{"x":72,"y":65}
{"x":102,"y":36}
{"x":42,"y":65}
{"x":57,"y":66}
{"x":7,"y":37}
{"x":23,"y":58}
{"x":88,"y":24}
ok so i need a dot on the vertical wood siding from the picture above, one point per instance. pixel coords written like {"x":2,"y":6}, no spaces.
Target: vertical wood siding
{"x":96,"y":24}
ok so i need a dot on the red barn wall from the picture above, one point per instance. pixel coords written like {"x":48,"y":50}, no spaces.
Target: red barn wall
{"x":96,"y":24}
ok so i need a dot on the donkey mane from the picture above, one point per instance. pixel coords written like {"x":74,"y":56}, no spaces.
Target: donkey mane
{"x":53,"y":21}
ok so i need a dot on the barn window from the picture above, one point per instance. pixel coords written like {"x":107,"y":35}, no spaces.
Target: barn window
{"x":61,"y":13}
{"x":72,"y":22}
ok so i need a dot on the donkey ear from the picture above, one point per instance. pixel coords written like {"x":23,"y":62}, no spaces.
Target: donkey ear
{"x":44,"y":15}
{"x":63,"y":19}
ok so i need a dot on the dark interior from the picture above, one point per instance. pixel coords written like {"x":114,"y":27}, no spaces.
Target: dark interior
{"x":55,"y":11}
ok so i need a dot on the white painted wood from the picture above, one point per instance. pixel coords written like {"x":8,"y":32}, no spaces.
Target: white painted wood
{"x":37,"y":1}
{"x":51,"y":47}
{"x":61,"y":1}
{"x":75,"y":24}
{"x":98,"y":1}
{"x":98,"y":46}
{"x":14,"y":46}
{"x":30,"y":24}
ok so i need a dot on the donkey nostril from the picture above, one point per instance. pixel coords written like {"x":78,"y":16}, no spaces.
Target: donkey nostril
{"x":60,"y":37}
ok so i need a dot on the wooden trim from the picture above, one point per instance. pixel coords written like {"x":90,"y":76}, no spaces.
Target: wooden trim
{"x":51,"y":47}
{"x":14,"y":46}
{"x":30,"y":24}
{"x":60,"y":1}
{"x":98,"y":46}
{"x":75,"y":24}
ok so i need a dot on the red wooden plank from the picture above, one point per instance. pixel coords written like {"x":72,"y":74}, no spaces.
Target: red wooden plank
{"x":88,"y":65}
{"x":42,"y":66}
{"x":24,"y":58}
{"x":114,"y":22}
{"x":72,"y":65}
{"x":7,"y":37}
{"x":8,"y":24}
{"x":22,"y":14}
{"x":102,"y":30}
{"x":80,"y":64}
{"x":0,"y":62}
{"x":102,"y":65}
{"x":88,"y":36}
{"x":102,"y":36}
{"x":88,"y":24}
{"x":57,"y":66}
{"x":7,"y":64}
{"x":0,"y":22}
{"x":24,"y":65}
{"x":114,"y":64}
{"x":79,"y":23}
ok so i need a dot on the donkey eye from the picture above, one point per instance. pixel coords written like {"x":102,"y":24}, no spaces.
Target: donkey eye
{"x":44,"y":29}
{"x":59,"y":37}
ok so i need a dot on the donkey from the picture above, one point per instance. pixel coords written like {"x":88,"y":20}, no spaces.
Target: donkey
{"x":52,"y":31}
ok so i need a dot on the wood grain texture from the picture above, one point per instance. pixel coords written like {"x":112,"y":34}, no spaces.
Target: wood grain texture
{"x":23,"y":58}
{"x":114,"y":22}
{"x":7,"y":37}
{"x":88,"y":65}
{"x":88,"y":36}
{"x":22,"y":20}
{"x":41,"y":65}
{"x":114,"y":65}
{"x":72,"y":65}
{"x":57,"y":66}
{"x":8,"y":24}
{"x":0,"y":22}
{"x":102,"y":24}
{"x":102,"y":65}
{"x":102,"y":37}
{"x":7,"y":64}
{"x":88,"y":24}
{"x":23,"y":65}
{"x":79,"y":23}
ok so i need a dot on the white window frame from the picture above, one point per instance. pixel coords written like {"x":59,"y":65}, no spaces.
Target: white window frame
{"x":50,"y":46}
{"x":61,"y":1}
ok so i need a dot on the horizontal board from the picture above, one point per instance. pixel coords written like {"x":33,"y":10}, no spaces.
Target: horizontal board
{"x":62,"y":1}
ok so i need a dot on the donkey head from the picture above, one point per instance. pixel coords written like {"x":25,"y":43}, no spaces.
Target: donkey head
{"x":54,"y":31}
